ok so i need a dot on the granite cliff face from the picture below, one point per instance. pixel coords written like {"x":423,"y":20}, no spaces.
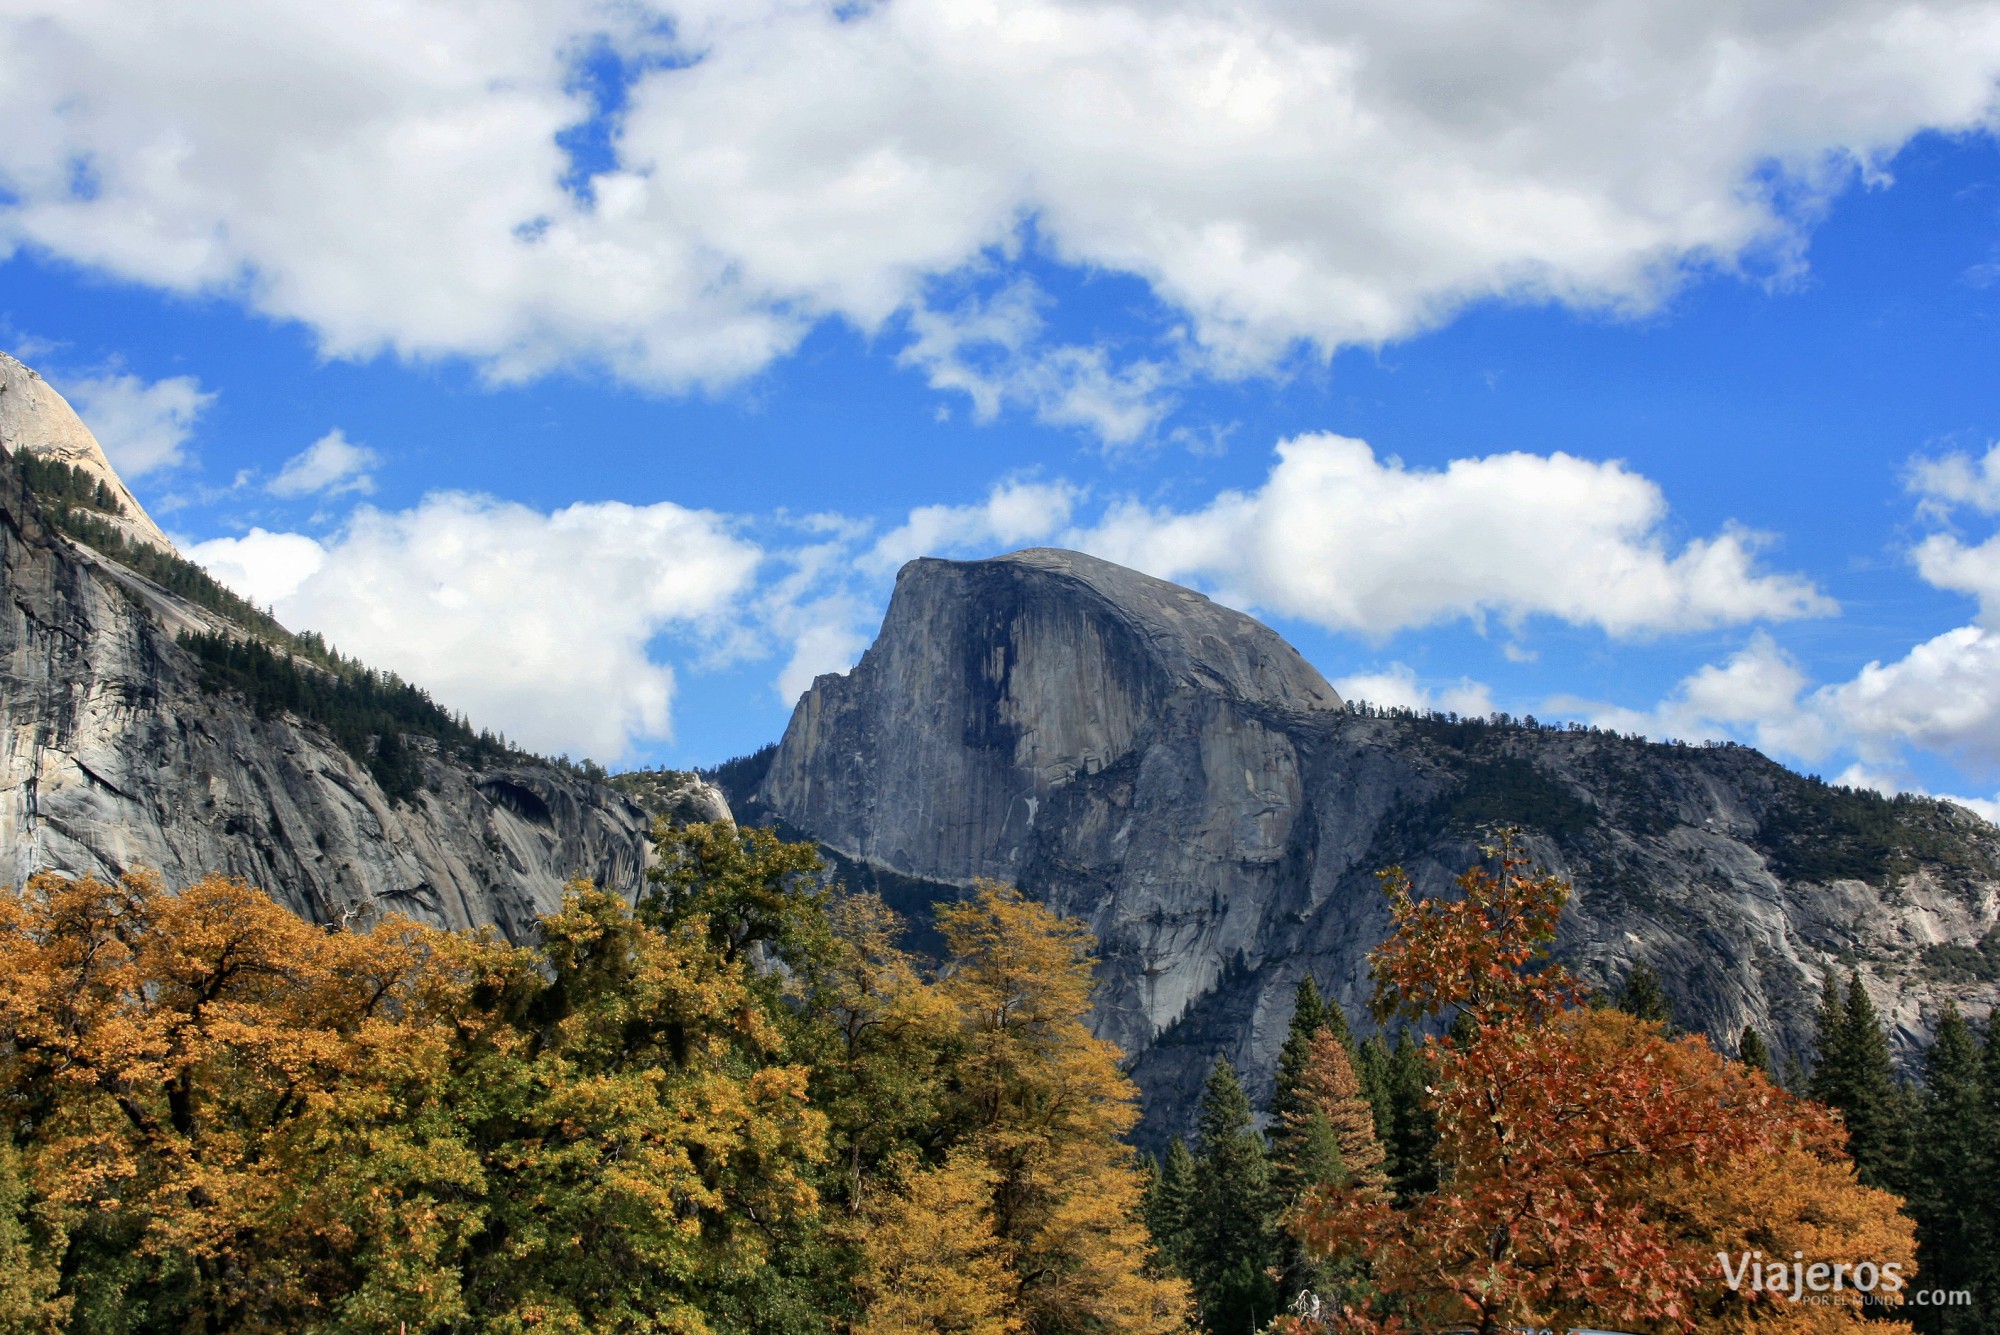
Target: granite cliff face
{"x":113,"y":756}
{"x":1176,"y":775}
{"x":35,"y":418}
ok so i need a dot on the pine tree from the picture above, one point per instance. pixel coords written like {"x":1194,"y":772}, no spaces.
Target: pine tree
{"x":1986,"y":1189}
{"x":1336,"y":1021}
{"x":1643,"y":997}
{"x":1412,"y":1139}
{"x":1231,"y":1239}
{"x":1750,"y":1050}
{"x":1371,"y":1065}
{"x":1170,"y":1205}
{"x":1330,"y":1099}
{"x":1329,"y":1141}
{"x":1308,"y":1018}
{"x":1950,"y":1168}
{"x":1853,"y":1073}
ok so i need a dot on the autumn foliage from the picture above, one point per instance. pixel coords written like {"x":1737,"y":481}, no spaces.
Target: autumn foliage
{"x":1591,"y":1167}
{"x":737,"y":1105}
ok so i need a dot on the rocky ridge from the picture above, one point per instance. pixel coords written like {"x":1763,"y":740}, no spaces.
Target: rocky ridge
{"x":35,"y":418}
{"x":119,"y":750}
{"x":1176,"y":775}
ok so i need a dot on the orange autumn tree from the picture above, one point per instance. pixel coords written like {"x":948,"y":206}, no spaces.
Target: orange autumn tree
{"x":221,"y":1117}
{"x":1591,"y":1168}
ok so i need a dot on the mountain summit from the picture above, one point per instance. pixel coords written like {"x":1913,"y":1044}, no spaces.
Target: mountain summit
{"x":34,"y":418}
{"x":1176,"y":775}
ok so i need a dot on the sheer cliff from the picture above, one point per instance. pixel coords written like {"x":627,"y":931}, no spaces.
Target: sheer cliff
{"x":120,"y":747}
{"x":1176,"y":775}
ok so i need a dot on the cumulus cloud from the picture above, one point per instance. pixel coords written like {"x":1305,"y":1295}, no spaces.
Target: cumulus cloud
{"x":1015,"y":513}
{"x":330,"y":466}
{"x":1757,"y":694}
{"x":392,"y":174}
{"x":1397,"y":687}
{"x":142,"y":425}
{"x":1350,"y":542}
{"x":538,"y":623}
{"x":263,"y":566}
{"x":1948,"y":481}
{"x":992,"y":352}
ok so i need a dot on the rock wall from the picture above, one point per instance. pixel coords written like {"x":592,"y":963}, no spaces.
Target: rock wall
{"x":1174,"y":774}
{"x":112,"y":757}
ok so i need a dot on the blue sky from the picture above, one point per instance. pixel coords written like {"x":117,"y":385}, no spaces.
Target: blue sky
{"x":596,"y":365}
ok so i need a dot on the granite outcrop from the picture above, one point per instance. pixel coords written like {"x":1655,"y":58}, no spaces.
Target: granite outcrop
{"x":1176,"y":775}
{"x":116,"y":754}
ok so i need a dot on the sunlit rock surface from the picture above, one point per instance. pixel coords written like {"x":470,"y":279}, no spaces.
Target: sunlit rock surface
{"x":1175,"y":774}
{"x":113,"y":758}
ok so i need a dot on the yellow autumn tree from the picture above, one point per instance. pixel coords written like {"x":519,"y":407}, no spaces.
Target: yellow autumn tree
{"x":932,"y":1263}
{"x":234,"y":1119}
{"x":209,"y":1078}
{"x":1043,"y":1102}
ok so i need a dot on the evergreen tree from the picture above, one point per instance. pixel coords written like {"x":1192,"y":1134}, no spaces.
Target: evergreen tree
{"x":1311,"y":1015}
{"x":1308,"y":1017}
{"x":1412,"y":1139}
{"x":1371,"y":1066}
{"x":1986,"y":1190}
{"x":1336,"y":1021}
{"x":1231,"y":1241}
{"x":1170,"y":1205}
{"x":1643,"y":997}
{"x":1950,"y":1175}
{"x":1330,"y":1141}
{"x":1333,"y":1124}
{"x":1750,"y":1050}
{"x":1852,"y":1072}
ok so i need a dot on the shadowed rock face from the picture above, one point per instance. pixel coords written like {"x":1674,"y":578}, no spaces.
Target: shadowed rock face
{"x":1176,"y":775}
{"x":113,"y":758}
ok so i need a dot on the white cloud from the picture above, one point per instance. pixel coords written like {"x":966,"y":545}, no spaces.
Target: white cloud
{"x":264,"y":567}
{"x":1754,"y":695}
{"x":329,"y":466}
{"x":536,"y":623}
{"x":1014,"y":514}
{"x":1958,"y":479}
{"x":1944,"y":695}
{"x":1349,"y":542}
{"x":991,"y":352}
{"x":1275,"y":171}
{"x":141,"y":424}
{"x":1397,"y":687}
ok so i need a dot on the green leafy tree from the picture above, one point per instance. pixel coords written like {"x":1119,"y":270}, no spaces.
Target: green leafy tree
{"x":30,"y":1274}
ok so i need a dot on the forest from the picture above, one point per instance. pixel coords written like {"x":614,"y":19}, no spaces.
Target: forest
{"x":741,"y":1105}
